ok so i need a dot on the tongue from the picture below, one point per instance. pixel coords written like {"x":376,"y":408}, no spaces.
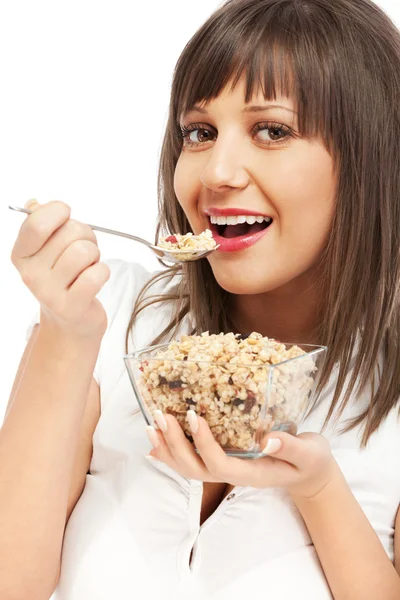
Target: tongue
{"x":232,"y":231}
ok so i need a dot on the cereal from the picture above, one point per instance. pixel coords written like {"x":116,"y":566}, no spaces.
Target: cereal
{"x":230,"y":380}
{"x":189,"y":243}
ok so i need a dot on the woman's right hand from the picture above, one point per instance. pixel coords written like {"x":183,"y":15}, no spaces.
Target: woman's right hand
{"x":58,"y":260}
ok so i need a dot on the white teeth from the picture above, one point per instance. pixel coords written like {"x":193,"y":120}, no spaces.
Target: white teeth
{"x":233,"y":220}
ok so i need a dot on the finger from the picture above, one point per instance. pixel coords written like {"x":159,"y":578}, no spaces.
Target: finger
{"x":234,"y":471}
{"x":32,"y":205}
{"x":70,"y":232}
{"x":65,"y":255}
{"x":160,"y":450}
{"x":38,"y":227}
{"x":79,"y":255}
{"x":263,"y":472}
{"x":299,"y":451}
{"x":72,"y":303}
{"x":88,"y":284}
{"x":189,"y":462}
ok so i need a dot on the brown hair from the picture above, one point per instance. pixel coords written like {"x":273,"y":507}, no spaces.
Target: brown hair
{"x":340,"y":61}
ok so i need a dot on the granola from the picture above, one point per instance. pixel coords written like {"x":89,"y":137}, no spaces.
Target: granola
{"x":189,"y":243}
{"x":243,"y":386}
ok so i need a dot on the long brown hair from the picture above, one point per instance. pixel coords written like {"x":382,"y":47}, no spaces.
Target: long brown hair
{"x":340,"y":61}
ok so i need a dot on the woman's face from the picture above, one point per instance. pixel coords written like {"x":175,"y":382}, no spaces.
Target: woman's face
{"x":240,"y":164}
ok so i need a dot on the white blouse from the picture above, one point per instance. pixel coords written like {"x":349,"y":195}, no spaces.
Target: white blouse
{"x":136,"y":523}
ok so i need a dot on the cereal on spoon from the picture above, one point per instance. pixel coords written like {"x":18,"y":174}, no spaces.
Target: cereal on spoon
{"x":188,"y":243}
{"x":224,"y":378}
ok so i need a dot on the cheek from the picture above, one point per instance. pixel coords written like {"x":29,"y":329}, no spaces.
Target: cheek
{"x":308,"y":203}
{"x":186,"y":184}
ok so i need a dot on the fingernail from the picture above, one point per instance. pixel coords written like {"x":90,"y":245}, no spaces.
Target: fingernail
{"x":153,"y":437}
{"x":151,"y":458}
{"x":272,"y":446}
{"x":31,"y":203}
{"x":193,"y":421}
{"x":160,"y":420}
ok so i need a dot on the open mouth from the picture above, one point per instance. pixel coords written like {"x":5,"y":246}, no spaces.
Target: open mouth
{"x":237,"y":226}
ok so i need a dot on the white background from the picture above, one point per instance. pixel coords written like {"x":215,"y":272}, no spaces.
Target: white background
{"x":84,"y":98}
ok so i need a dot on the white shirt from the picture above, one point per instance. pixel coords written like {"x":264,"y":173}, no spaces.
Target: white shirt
{"x":137,"y":521}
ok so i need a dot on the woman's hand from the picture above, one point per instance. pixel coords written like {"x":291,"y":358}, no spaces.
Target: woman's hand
{"x":59,"y":261}
{"x":301,"y":464}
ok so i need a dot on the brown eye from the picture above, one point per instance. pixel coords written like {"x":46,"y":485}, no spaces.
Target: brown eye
{"x":195,"y":135}
{"x":275,"y":133}
{"x":203,"y":135}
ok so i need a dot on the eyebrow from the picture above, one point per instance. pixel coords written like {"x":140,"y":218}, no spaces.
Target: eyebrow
{"x":248,"y":109}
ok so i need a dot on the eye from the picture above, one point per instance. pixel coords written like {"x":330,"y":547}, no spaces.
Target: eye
{"x":273,"y":132}
{"x":195,"y":134}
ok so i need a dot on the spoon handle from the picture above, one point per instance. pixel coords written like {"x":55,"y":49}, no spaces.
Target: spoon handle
{"x":97,"y":228}
{"x":121,"y":234}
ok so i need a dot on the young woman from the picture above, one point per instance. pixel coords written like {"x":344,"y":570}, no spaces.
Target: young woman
{"x":282,"y":109}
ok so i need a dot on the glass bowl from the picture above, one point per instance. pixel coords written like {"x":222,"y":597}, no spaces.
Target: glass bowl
{"x":241,"y":403}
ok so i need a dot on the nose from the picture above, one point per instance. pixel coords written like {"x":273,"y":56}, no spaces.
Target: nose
{"x":225,"y":167}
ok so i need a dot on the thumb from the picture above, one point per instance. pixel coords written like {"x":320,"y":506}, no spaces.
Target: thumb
{"x":32,"y":205}
{"x":298,"y":450}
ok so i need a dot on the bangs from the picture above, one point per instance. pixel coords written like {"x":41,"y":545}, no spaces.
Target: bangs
{"x":265,"y":46}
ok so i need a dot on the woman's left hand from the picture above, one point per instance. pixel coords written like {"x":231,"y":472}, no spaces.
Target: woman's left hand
{"x":301,"y":464}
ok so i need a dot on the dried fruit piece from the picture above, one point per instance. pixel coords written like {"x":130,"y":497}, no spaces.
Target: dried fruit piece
{"x":175,"y":385}
{"x":172,"y":239}
{"x":249,"y":403}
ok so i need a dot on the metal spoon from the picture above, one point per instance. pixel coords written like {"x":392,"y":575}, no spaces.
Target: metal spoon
{"x":162,"y":253}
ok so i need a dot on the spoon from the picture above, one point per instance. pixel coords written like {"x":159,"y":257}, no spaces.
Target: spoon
{"x":162,"y":253}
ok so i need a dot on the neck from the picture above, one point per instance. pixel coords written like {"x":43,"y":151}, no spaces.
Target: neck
{"x":289,"y":314}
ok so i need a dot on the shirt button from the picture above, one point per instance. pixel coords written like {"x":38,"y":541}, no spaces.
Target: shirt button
{"x":231,"y":496}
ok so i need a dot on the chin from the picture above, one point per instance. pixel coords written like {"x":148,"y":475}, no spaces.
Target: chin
{"x":245,"y":282}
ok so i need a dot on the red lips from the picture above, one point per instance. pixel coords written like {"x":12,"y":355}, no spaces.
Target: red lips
{"x":241,"y":242}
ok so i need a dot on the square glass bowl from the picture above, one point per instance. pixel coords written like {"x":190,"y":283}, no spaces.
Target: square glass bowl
{"x":241,"y":403}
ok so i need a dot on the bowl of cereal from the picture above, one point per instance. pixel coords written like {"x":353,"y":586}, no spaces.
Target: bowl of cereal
{"x":243,"y":386}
